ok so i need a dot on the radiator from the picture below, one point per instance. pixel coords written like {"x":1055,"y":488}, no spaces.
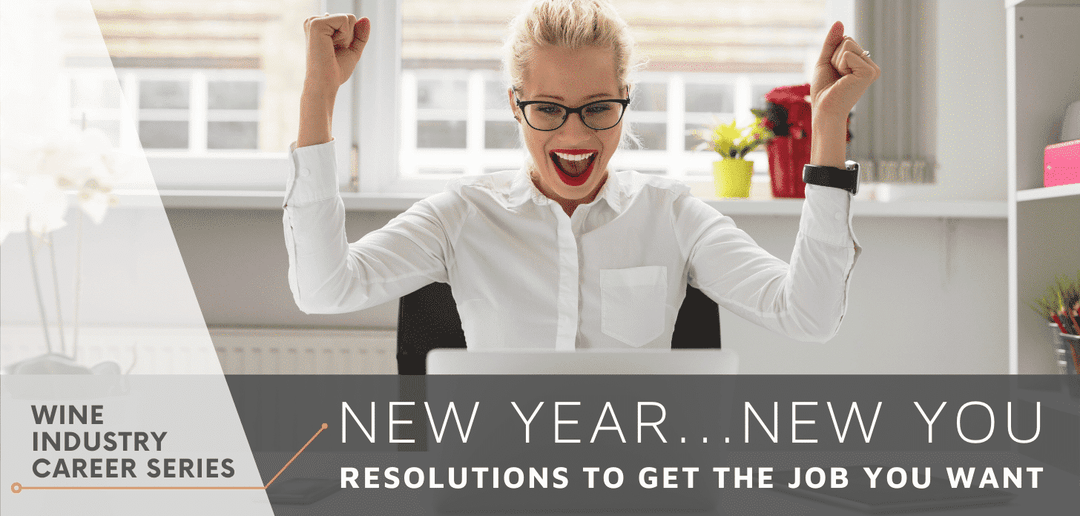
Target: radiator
{"x":135,"y":350}
{"x":239,"y":350}
{"x":281,"y":351}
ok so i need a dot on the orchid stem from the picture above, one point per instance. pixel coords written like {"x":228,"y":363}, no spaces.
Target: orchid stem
{"x":78,"y":278}
{"x":56,"y":291}
{"x":78,"y":274}
{"x":37,"y":286}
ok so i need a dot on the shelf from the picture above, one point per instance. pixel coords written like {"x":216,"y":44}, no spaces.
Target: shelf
{"x":901,"y":209}
{"x":224,"y":200}
{"x":1053,"y":192}
{"x":1032,"y":3}
{"x":783,"y":207}
{"x":270,"y":200}
{"x":933,"y":209}
{"x":1040,"y":40}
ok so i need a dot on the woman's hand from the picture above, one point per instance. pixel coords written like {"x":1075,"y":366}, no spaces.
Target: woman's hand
{"x":334,"y":45}
{"x":842,"y":74}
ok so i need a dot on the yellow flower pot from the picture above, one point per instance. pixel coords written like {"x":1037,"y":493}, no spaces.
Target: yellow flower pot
{"x":732,"y":177}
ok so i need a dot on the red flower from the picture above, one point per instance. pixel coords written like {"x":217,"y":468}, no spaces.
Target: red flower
{"x":794,"y":100}
{"x":789,"y":95}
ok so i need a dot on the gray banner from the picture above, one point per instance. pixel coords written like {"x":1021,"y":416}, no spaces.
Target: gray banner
{"x":663,"y":444}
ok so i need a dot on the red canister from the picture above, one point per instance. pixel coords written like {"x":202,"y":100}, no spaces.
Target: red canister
{"x":787,"y":155}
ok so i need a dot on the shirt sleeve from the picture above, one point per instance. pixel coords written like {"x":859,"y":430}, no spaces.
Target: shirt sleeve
{"x":329,"y":275}
{"x":805,"y":299}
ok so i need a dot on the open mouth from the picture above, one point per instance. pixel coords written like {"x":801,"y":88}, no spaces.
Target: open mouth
{"x":574,"y":166}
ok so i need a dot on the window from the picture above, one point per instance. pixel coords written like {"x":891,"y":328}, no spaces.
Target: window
{"x":210,"y":89}
{"x":455,"y":122}
{"x":182,"y":110}
{"x":708,"y":64}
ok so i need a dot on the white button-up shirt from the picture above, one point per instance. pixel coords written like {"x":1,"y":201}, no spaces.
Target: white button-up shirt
{"x":525,"y":275}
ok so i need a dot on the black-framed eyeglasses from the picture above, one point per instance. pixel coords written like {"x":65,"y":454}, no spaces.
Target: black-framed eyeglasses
{"x":549,"y":116}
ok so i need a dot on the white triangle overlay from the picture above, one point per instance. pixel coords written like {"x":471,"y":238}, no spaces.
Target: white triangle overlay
{"x":139,"y":323}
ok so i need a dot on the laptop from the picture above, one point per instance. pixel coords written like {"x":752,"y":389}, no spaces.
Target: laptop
{"x":650,"y":361}
{"x":575,"y":499}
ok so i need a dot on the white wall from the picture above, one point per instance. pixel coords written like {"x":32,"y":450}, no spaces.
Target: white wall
{"x":131,"y":273}
{"x":928,"y":295}
{"x":970,"y":111}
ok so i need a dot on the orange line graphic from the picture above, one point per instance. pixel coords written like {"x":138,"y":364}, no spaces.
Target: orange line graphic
{"x":18,"y":488}
{"x":295,"y":456}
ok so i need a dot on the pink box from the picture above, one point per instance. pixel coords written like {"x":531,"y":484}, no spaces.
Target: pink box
{"x":1061,"y":163}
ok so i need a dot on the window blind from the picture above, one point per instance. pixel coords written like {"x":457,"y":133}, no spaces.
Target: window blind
{"x":893,"y":124}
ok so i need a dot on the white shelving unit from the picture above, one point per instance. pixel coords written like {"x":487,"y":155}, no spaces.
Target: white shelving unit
{"x":1043,"y":46}
{"x":1051,"y":192}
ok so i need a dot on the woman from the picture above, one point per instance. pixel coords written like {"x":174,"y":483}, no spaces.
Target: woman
{"x":566,"y":254}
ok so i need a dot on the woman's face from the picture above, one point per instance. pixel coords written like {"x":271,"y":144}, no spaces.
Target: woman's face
{"x":571,"y":161}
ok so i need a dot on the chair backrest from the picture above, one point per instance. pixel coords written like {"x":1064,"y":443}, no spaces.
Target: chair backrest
{"x":428,"y":319}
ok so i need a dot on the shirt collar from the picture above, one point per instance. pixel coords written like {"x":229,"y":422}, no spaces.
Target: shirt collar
{"x":613,"y":192}
{"x":522,"y":190}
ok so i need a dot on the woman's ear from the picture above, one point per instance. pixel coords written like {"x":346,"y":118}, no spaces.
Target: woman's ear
{"x":513,"y":106}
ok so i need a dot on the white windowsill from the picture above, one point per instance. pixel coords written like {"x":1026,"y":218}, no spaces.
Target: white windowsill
{"x":255,"y":200}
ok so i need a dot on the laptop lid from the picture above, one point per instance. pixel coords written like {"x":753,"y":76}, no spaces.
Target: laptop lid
{"x":674,"y":361}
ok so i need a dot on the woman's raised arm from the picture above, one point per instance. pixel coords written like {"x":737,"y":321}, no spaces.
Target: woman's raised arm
{"x":842,"y":74}
{"x":326,"y":273}
{"x":334,"y":45}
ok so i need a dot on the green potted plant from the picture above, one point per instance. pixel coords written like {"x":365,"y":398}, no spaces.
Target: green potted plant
{"x":1059,"y":307}
{"x":732,"y":173}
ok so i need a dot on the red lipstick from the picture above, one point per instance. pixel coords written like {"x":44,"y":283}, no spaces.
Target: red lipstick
{"x":574,"y":178}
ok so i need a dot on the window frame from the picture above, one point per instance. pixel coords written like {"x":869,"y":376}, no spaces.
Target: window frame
{"x":196,"y":167}
{"x":379,"y":90}
{"x":219,"y":172}
{"x":373,"y":96}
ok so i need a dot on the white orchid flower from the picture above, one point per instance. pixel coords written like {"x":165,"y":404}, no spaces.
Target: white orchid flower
{"x":38,"y":172}
{"x":13,"y":205}
{"x":46,"y":203}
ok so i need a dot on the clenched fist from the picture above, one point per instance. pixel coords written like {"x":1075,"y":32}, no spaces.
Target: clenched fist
{"x":842,"y":74}
{"x":334,"y":45}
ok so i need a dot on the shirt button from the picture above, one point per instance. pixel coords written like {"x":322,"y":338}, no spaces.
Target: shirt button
{"x":839,"y":216}
{"x":304,"y":172}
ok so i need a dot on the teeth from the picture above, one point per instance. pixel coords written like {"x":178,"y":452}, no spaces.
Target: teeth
{"x":574,"y":157}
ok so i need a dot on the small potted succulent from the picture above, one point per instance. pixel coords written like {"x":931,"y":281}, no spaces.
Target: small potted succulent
{"x":732,"y":172}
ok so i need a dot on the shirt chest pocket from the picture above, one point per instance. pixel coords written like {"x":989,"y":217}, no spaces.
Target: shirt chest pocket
{"x":633,"y":303}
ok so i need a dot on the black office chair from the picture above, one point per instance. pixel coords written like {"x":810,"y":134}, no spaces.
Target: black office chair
{"x":428,"y":319}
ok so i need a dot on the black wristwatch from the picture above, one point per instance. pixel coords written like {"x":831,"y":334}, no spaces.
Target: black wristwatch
{"x":847,"y":179}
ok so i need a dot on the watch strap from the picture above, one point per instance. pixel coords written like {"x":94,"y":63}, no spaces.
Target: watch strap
{"x":843,"y":178}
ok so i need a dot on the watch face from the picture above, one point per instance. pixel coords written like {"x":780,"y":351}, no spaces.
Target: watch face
{"x":853,"y":166}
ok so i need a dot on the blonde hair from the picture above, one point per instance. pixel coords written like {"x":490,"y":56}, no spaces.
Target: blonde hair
{"x":571,"y":24}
